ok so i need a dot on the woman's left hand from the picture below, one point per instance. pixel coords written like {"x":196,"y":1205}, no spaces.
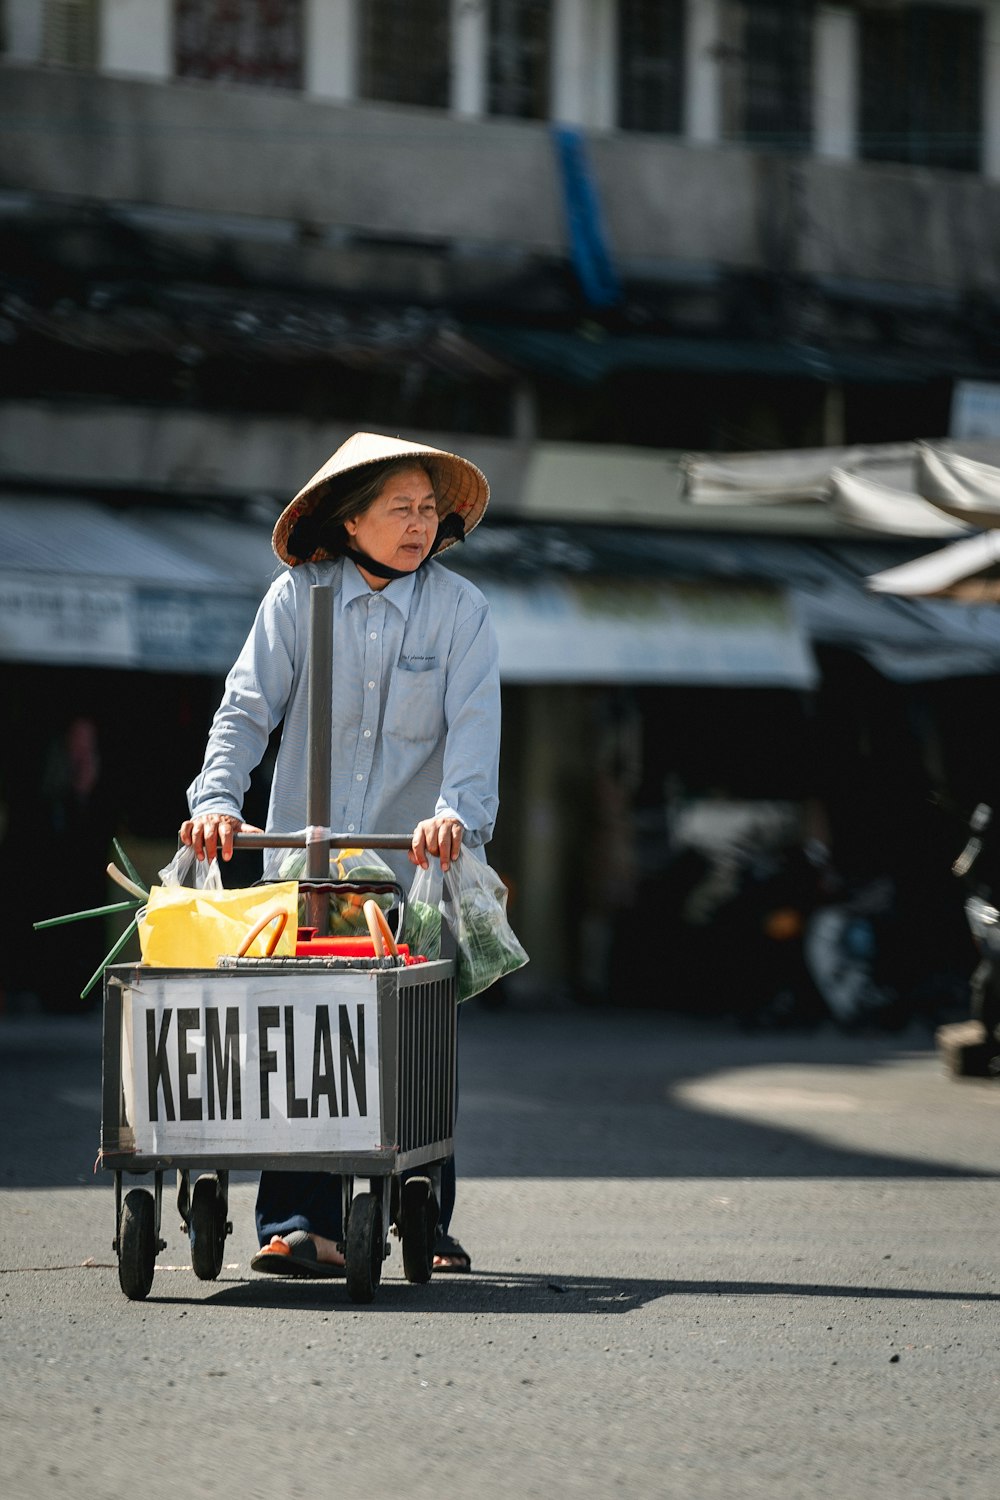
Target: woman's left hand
{"x":440,"y":836}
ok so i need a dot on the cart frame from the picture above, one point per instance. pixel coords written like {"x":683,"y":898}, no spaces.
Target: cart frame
{"x":416,"y":1011}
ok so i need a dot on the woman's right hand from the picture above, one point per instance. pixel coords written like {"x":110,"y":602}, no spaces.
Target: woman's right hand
{"x":208,"y":831}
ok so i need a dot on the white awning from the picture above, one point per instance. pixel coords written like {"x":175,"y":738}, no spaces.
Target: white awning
{"x":940,"y":572}
{"x":962,"y":486}
{"x":911,"y":489}
{"x":889,"y":509}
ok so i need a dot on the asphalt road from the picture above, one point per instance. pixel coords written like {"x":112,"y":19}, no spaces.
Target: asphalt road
{"x":706,"y":1265}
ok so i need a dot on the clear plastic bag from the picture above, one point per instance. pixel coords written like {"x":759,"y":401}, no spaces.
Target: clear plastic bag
{"x":187,"y":869}
{"x":422,"y":929}
{"x":472,"y":899}
{"x":346,"y":907}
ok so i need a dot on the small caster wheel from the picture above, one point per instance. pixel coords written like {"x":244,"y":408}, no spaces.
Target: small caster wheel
{"x":207,"y":1228}
{"x":137,"y":1244}
{"x":363,"y":1247}
{"x":418,"y":1228}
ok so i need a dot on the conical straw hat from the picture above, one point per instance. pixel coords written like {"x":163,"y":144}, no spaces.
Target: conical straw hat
{"x":459,"y":486}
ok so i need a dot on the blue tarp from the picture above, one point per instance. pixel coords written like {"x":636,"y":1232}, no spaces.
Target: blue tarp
{"x":588,"y":245}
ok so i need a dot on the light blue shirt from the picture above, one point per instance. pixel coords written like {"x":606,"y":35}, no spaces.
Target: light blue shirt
{"x":416,"y":707}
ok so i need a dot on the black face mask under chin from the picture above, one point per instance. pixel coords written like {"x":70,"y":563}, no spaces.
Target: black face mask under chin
{"x":452,"y":528}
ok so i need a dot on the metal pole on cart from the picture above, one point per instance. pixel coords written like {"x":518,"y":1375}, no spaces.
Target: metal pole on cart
{"x":319,"y":771}
{"x":320,"y":716}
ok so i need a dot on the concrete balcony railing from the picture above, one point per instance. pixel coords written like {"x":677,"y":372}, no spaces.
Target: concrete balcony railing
{"x":415,"y":175}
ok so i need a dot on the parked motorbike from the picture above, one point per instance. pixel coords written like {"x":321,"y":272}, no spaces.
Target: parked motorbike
{"x":972,"y":1047}
{"x":845,"y":951}
{"x":752,"y":956}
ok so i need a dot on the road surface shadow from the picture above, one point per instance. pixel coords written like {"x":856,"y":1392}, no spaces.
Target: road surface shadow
{"x":504,"y":1292}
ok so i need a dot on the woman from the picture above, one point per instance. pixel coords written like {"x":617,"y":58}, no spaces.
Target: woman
{"x":416,"y":720}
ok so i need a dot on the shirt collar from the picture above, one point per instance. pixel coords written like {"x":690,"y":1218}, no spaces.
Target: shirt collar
{"x":398,"y":591}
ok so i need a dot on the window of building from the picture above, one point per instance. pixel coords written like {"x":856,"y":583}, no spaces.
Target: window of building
{"x":921,"y":86}
{"x":239,"y":41}
{"x":406,"y":51}
{"x":651,"y":65}
{"x":69,"y":33}
{"x":767,"y":60}
{"x":520,"y":46}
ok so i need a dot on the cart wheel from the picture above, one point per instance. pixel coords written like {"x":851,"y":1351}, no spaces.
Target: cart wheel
{"x":207,"y":1228}
{"x":418,"y":1229}
{"x":363,"y":1248}
{"x":137,"y":1244}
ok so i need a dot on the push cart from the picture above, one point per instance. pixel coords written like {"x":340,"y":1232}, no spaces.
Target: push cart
{"x":306,"y":1063}
{"x":324,"y":1066}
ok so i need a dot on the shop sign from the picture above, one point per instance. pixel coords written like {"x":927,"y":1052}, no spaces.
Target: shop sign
{"x":647,"y":631}
{"x":46,"y":619}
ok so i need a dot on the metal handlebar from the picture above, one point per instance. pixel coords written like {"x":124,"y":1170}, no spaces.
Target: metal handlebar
{"x":335,"y":841}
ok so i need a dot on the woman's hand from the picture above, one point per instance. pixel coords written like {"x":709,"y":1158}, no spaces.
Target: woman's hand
{"x":440,"y":836}
{"x":207,"y":831}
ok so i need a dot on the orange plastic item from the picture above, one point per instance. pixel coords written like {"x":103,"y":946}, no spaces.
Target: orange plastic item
{"x":278,"y":916}
{"x":379,"y":930}
{"x":309,"y":945}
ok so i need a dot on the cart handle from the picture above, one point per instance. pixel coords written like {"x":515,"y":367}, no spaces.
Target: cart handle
{"x":276,"y":840}
{"x":381,"y":932}
{"x":276,"y":914}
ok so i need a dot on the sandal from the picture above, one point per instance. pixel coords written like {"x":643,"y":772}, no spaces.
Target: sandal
{"x":446,"y":1246}
{"x":296,"y":1257}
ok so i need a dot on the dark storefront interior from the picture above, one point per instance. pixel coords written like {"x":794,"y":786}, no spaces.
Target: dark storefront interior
{"x":860,"y":763}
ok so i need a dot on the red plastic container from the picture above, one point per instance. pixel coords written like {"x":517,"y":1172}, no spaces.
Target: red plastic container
{"x":309,"y":945}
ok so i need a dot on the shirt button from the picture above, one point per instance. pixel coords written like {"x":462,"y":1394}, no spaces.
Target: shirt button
{"x":350,"y":827}
{"x":359,"y":777}
{"x":373,"y":636}
{"x":368,"y":734}
{"x":371,"y":684}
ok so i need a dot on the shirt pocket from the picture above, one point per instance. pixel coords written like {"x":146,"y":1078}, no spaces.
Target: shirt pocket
{"x":414,"y":706}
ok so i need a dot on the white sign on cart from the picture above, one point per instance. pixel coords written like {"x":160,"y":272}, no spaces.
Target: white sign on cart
{"x":251,"y":1063}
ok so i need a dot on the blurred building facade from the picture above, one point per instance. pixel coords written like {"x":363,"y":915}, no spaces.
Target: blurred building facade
{"x":574,"y":239}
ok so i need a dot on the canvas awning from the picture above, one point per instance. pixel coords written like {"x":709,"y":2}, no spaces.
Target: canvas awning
{"x":176,"y":590}
{"x":960,"y":485}
{"x":160,"y":588}
{"x":85,"y":584}
{"x":897,"y":488}
{"x":875,"y":505}
{"x":967,"y":570}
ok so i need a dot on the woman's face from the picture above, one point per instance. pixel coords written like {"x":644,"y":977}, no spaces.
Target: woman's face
{"x":399,"y":527}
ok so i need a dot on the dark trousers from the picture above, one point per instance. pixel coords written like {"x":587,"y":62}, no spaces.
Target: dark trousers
{"x":313,"y":1201}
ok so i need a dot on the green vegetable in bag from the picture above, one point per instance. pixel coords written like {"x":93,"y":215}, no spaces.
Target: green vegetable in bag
{"x":472,"y":899}
{"x":422,"y":929}
{"x":347,"y":917}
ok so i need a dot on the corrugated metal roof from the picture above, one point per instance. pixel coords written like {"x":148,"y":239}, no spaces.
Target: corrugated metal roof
{"x":237,"y":551}
{"x":82,"y":538}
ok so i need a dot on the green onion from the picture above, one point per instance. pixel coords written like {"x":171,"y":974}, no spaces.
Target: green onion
{"x":113,"y":954}
{"x":94,"y":911}
{"x":130,"y":869}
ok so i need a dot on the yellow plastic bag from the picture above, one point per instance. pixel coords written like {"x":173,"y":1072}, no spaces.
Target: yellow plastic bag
{"x":183,"y":928}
